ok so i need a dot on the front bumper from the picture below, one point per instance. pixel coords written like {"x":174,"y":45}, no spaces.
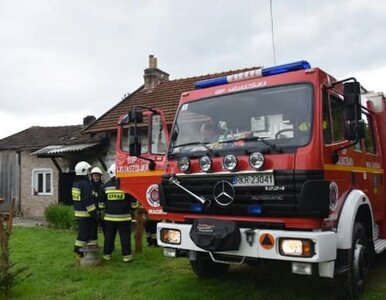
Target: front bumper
{"x":325,"y":243}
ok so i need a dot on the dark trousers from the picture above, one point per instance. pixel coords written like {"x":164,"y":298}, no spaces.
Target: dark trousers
{"x":85,"y":233}
{"x":94,"y":232}
{"x":124,"y":230}
{"x":151,"y":232}
{"x":101,"y":225}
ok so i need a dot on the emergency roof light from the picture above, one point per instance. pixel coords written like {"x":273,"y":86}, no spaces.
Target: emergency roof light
{"x":262,"y":72}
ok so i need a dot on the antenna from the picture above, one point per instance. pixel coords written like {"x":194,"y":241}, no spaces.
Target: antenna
{"x":272,"y":33}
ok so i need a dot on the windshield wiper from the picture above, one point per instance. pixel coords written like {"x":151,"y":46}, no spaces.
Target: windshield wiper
{"x":193,"y":144}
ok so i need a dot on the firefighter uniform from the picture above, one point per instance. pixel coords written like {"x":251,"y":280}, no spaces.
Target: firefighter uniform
{"x":151,"y":233}
{"x":85,"y":213}
{"x":97,"y":193}
{"x":117,"y":218}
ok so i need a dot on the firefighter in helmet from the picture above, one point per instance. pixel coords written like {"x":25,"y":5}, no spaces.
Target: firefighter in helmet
{"x":97,"y":192}
{"x":84,"y":208}
{"x":118,"y":211}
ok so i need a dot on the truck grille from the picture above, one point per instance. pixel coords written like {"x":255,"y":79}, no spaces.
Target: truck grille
{"x":278,"y":200}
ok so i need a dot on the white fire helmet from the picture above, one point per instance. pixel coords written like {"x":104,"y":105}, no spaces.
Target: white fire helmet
{"x":111,"y":171}
{"x":82,"y":168}
{"x":96,"y":170}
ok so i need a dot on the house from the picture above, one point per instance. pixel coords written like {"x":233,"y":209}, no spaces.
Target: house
{"x":36,"y":165}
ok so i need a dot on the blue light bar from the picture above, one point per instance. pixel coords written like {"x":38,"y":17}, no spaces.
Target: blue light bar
{"x":295,"y":66}
{"x":255,"y":209}
{"x":196,"y":207}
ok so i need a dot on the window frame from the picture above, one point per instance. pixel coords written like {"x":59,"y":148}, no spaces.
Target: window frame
{"x":35,"y":181}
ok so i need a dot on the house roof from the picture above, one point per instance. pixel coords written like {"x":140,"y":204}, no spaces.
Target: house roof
{"x":165,"y":96}
{"x":37,"y":137}
{"x":60,"y":149}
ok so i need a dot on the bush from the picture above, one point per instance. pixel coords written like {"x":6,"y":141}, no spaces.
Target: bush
{"x":60,"y":216}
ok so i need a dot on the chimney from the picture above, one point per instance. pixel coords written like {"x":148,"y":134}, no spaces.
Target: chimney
{"x":88,"y":120}
{"x":152,"y":75}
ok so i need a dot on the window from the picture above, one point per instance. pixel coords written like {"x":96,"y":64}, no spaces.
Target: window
{"x":125,"y":144}
{"x":333,"y":121}
{"x":158,"y":141}
{"x":337,"y":119}
{"x":369,"y":136}
{"x":42,"y":181}
{"x":250,"y":120}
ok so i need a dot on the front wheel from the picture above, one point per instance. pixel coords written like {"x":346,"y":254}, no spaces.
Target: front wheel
{"x":352,"y":283}
{"x":204,"y":267}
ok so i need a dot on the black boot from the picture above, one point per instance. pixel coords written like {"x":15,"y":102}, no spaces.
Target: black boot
{"x":154,"y":243}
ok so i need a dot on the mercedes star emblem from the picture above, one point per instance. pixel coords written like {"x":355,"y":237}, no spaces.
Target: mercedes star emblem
{"x":223,"y":193}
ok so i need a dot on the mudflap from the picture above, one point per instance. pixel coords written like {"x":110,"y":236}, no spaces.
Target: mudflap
{"x":215,"y":235}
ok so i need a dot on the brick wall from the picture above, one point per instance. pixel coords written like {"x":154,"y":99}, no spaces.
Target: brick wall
{"x":33,"y":205}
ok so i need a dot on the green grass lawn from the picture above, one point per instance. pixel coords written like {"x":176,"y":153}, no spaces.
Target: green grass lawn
{"x":55,"y":274}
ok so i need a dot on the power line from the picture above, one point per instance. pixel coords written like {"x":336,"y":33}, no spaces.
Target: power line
{"x":272,"y":33}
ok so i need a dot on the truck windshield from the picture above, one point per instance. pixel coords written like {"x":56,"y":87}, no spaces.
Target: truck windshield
{"x":271,"y":118}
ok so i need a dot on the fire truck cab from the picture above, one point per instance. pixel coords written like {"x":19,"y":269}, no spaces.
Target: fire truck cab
{"x":293,"y":171}
{"x":139,"y":169}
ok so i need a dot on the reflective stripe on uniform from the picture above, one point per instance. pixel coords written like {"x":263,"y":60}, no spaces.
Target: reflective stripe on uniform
{"x":80,"y":243}
{"x":113,"y":194}
{"x":91,"y":207}
{"x":151,"y":235}
{"x":117,"y":218}
{"x":75,"y":194}
{"x":134,"y":204}
{"x":101,"y":205}
{"x":82,"y":214}
{"x":92,"y":243}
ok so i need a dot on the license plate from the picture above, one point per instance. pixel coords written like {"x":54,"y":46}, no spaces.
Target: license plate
{"x":253,"y":180}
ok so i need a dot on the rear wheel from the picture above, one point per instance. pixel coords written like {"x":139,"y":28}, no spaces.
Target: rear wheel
{"x":352,"y":283}
{"x":204,"y":267}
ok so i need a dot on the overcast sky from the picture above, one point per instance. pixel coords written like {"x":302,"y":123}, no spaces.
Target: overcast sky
{"x":61,"y":60}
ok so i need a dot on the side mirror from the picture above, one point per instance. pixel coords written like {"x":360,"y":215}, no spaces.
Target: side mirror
{"x":355,"y":130}
{"x":135,"y":116}
{"x":135,"y":141}
{"x":352,"y":101}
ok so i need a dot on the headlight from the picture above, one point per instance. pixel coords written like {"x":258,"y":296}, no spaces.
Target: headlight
{"x":205,"y":163}
{"x":170,"y":236}
{"x":184,"y":164}
{"x":296,"y":247}
{"x":230,"y":162}
{"x":256,"y":160}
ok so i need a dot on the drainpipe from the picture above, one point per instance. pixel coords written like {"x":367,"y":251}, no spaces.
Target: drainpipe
{"x":18,"y":153}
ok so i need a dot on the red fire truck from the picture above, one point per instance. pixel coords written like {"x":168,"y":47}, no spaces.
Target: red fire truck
{"x":293,"y":171}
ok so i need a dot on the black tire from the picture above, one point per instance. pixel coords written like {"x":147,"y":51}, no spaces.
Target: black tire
{"x":352,"y":283}
{"x":204,"y":267}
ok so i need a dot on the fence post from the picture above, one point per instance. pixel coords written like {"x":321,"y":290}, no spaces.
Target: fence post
{"x":5,"y":231}
{"x":139,"y":229}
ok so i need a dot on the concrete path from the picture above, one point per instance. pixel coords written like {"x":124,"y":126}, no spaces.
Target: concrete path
{"x":26,"y":222}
